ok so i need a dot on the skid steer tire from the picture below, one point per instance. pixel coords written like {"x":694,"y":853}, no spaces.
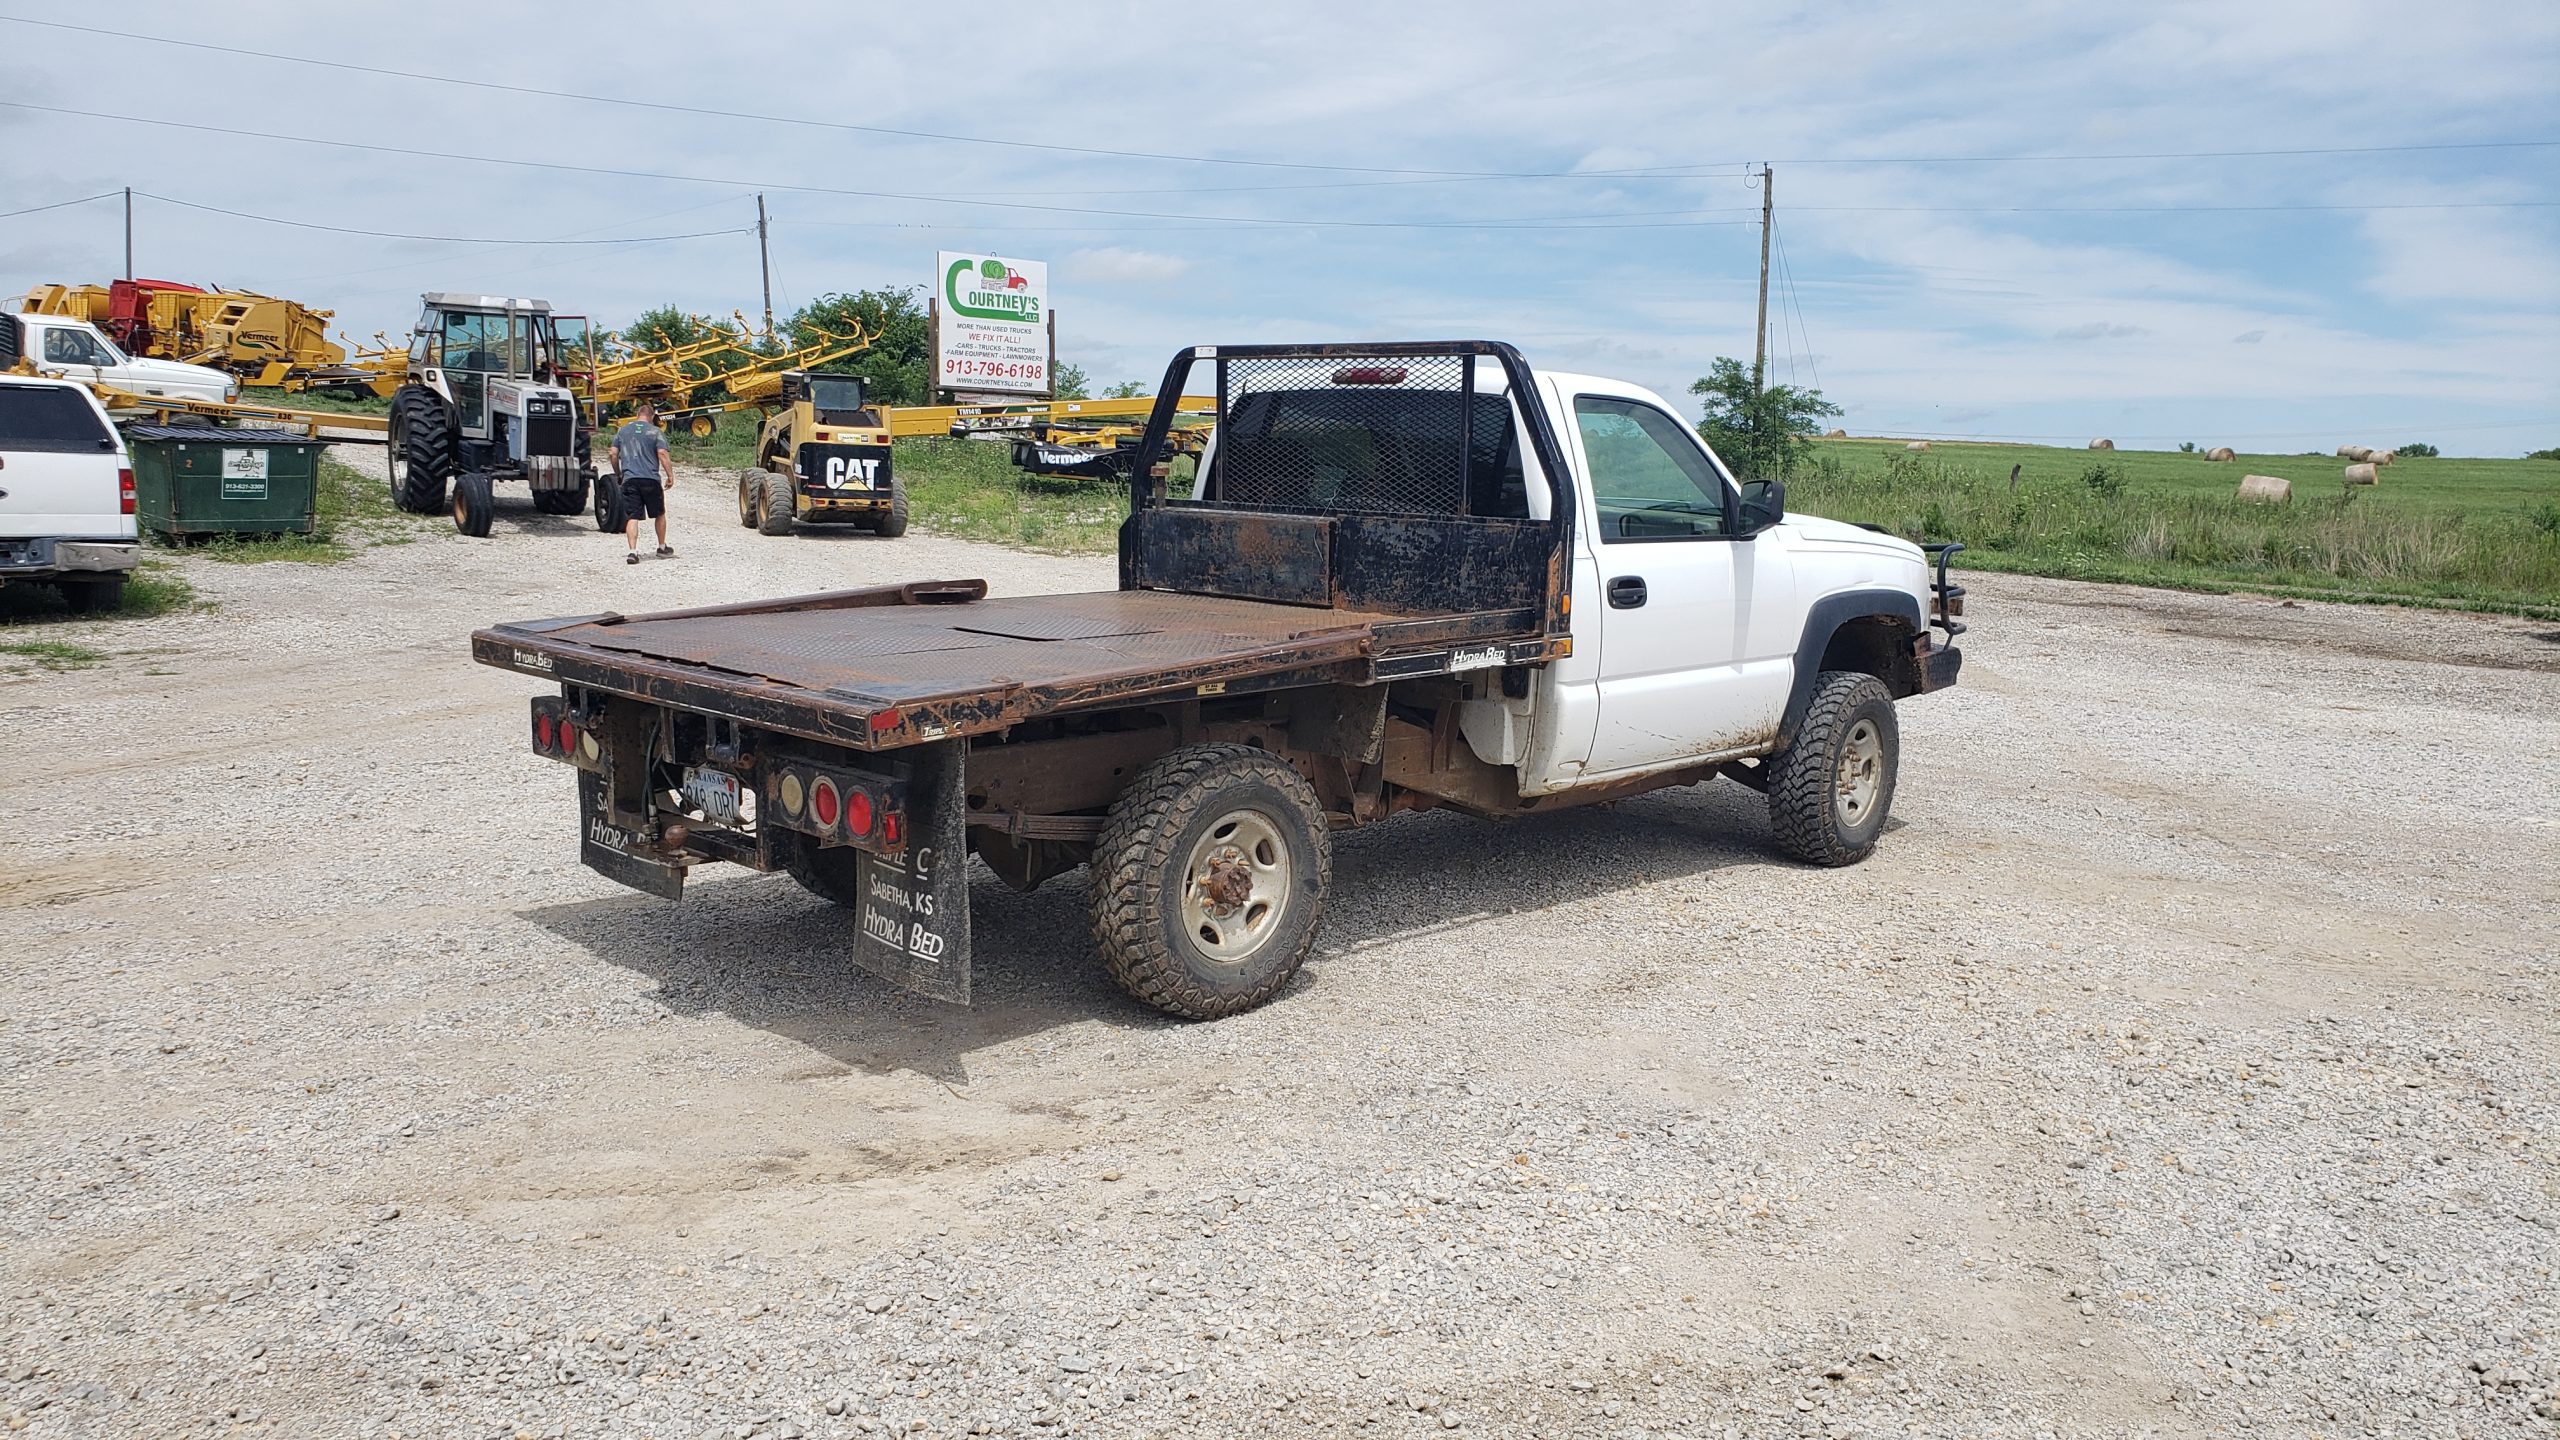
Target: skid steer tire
{"x":608,"y":504}
{"x":421,"y":450}
{"x":1831,"y":791}
{"x":750,"y":496}
{"x":824,"y":871}
{"x":894,"y":523}
{"x":473,"y":503}
{"x":1209,"y":880}
{"x":775,"y":518}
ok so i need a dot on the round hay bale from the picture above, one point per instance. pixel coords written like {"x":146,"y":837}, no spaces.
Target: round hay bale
{"x":2102,"y":443}
{"x":2382,"y":457}
{"x":2266,"y":489}
{"x":1917,"y":445}
{"x":2357,"y":453}
{"x":2364,"y":474}
{"x":2220,"y":452}
{"x":1836,"y":435}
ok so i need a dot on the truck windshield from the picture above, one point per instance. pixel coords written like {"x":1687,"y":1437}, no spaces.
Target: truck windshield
{"x":50,"y":418}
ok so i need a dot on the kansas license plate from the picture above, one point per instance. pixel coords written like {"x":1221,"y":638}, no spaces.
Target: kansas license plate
{"x":713,"y":792}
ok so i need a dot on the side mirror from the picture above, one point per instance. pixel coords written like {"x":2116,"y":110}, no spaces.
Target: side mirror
{"x":1764,"y":504}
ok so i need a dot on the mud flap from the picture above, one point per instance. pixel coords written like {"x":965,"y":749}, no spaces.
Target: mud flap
{"x":915,"y":906}
{"x":607,"y":848}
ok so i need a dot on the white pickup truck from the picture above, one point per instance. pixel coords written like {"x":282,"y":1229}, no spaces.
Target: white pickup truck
{"x":1404,"y":577}
{"x":70,"y":349}
{"x":66,"y":493}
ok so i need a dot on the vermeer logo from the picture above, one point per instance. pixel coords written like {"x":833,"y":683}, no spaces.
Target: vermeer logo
{"x":986,"y":289}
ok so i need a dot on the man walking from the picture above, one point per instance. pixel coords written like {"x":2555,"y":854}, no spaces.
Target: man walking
{"x":648,"y":473}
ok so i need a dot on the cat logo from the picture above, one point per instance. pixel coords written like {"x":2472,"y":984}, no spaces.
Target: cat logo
{"x":857,"y":470}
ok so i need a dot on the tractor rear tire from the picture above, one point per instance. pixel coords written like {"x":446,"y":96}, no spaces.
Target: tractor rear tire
{"x":472,"y":503}
{"x":1209,"y":880}
{"x":894,"y":523}
{"x":776,"y":516}
{"x":608,"y":504}
{"x":421,"y":450}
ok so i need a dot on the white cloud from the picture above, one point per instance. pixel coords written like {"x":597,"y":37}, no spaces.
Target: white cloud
{"x":1113,"y":264}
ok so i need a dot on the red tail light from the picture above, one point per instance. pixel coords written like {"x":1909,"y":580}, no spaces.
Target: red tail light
{"x":824,"y":803}
{"x":886,"y":719}
{"x":546,"y":735}
{"x":124,"y":490}
{"x":857,"y":812}
{"x":1369,"y":375}
{"x":568,"y":737}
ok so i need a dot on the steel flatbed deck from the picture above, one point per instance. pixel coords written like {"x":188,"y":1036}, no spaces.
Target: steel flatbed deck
{"x":891,"y":666}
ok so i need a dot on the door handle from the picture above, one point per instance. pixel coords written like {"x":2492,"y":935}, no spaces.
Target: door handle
{"x":1626,"y":592}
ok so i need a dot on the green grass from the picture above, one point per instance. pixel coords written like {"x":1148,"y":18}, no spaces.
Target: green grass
{"x":970,"y":488}
{"x":2480,"y":534}
{"x":53,"y":654}
{"x":156,"y":588}
{"x":352,"y":510}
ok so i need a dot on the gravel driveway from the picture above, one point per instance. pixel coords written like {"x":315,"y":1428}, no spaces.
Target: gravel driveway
{"x":2182,"y":1064}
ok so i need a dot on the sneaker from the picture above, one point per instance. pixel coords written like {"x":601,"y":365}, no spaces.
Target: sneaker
{"x":631,"y":557}
{"x":666,"y":552}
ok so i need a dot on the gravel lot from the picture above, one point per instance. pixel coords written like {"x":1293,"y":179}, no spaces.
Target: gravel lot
{"x":2182,"y":1065}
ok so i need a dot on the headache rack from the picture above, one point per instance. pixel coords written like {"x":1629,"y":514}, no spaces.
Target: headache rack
{"x":1379,"y":477}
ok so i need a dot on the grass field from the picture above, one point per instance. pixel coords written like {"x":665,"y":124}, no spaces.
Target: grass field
{"x":2479,"y":534}
{"x":2475,"y":534}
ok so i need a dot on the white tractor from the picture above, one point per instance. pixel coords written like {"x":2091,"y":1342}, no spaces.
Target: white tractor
{"x":492,"y":395}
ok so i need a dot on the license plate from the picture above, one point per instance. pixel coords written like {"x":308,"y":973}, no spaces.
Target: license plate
{"x":713,"y":792}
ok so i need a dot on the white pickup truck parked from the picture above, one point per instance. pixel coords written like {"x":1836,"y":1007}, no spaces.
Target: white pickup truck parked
{"x":70,"y":349}
{"x":66,"y":493}
{"x":1404,"y":577}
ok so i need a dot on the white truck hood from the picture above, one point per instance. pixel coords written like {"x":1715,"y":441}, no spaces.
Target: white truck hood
{"x":1819,"y":531}
{"x":176,"y":372}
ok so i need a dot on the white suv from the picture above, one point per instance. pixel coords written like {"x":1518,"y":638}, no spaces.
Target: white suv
{"x":66,"y":493}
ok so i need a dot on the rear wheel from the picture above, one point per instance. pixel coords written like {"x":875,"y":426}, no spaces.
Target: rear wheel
{"x":824,"y":871}
{"x":750,"y":496}
{"x":608,"y":504}
{"x":775,"y":519}
{"x":894,"y":523}
{"x":472,"y":503}
{"x":1209,"y":880}
{"x":421,"y":450}
{"x":92,"y":596}
{"x":1831,"y":791}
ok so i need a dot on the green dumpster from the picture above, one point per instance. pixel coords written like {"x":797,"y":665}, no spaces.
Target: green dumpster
{"x":193,"y":480}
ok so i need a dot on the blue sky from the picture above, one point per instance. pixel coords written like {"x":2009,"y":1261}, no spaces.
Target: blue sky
{"x":1986,"y":297}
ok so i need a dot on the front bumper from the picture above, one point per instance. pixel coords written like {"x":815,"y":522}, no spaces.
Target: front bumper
{"x":1938,"y":668}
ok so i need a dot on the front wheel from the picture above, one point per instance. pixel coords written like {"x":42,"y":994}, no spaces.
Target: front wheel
{"x":1209,"y":880}
{"x":473,"y":503}
{"x":1831,"y":791}
{"x":750,"y":494}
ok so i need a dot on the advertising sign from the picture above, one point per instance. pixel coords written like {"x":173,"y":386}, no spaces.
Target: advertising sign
{"x":992,"y":328}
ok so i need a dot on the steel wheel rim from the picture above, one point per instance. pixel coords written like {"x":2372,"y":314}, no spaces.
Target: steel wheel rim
{"x":1860,"y":780}
{"x":1236,"y":887}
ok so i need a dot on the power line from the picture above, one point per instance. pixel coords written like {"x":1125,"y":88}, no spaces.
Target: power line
{"x":59,"y":204}
{"x":1787,"y":273}
{"x":1518,"y":222}
{"x":440,"y":239}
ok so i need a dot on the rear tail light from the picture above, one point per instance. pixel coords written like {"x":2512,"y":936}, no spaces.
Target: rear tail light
{"x":124,"y":490}
{"x":557,"y":735}
{"x":1369,"y":375}
{"x":849,"y":807}
{"x":546,"y":733}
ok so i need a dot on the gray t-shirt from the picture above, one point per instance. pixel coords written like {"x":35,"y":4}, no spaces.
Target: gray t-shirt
{"x":635,"y":450}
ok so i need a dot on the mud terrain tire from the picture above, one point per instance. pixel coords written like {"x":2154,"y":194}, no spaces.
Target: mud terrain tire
{"x":1831,"y":791}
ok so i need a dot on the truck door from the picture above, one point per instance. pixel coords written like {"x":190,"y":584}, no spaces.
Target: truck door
{"x":75,"y":355}
{"x":1692,"y":660}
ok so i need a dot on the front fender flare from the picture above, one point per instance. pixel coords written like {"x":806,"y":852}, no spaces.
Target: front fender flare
{"x":1824,"y":621}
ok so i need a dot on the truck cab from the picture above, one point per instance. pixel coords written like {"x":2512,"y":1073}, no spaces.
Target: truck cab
{"x":73,"y":349}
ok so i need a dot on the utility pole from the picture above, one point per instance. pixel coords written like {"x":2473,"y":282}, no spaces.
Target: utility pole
{"x":764,"y":261}
{"x":128,"y":232}
{"x":1768,"y":218}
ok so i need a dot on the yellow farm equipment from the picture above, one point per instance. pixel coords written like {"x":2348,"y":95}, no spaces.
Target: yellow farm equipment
{"x":260,"y":338}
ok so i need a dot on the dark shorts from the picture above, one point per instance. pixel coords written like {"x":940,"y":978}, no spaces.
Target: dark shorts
{"x":643,"y":499}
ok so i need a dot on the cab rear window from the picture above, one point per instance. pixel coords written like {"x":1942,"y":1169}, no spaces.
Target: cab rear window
{"x":50,"y":417}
